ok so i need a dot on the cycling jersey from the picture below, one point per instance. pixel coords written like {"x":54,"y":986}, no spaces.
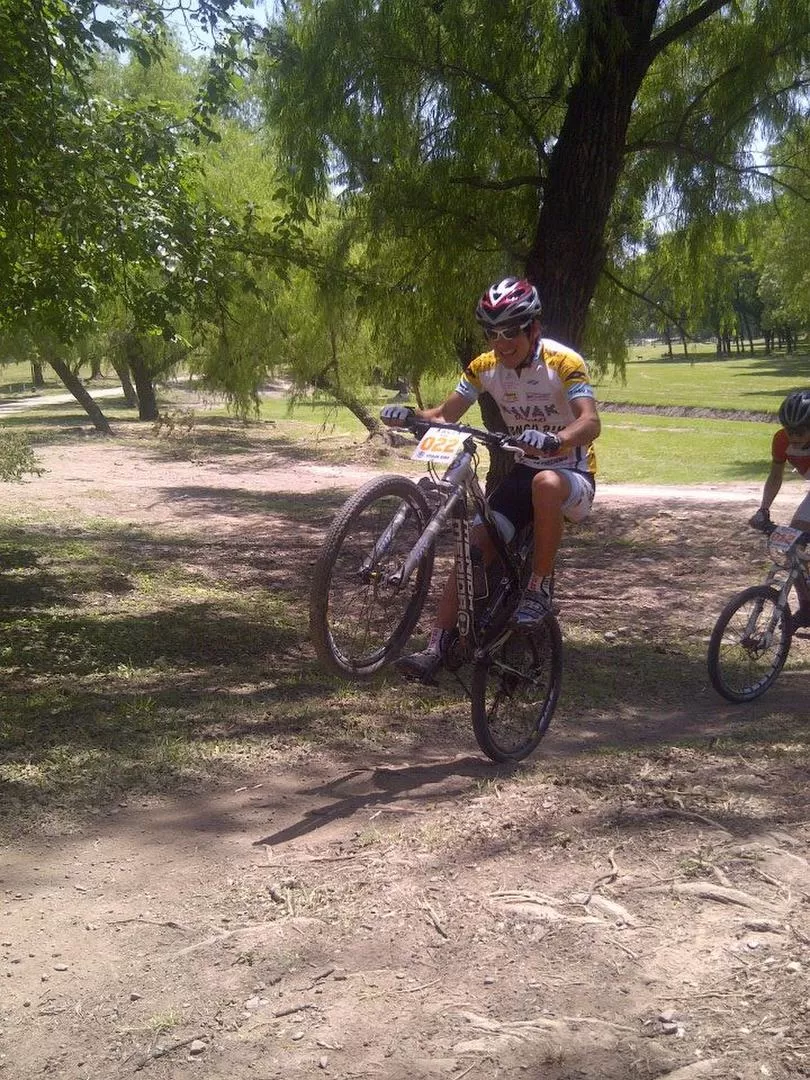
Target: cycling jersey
{"x":782,"y":451}
{"x":538,"y":396}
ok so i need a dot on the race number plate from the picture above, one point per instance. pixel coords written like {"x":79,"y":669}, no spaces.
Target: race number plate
{"x":780,"y":542}
{"x":439,"y":446}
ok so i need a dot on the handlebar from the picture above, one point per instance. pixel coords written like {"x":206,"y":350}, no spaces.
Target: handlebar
{"x":491,"y":439}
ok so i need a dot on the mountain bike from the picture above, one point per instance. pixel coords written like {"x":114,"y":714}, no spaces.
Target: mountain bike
{"x":374,"y":571}
{"x":752,"y":637}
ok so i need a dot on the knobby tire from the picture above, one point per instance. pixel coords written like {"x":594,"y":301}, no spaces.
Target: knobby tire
{"x":741,"y":667}
{"x":359,"y":621}
{"x":515,"y":691}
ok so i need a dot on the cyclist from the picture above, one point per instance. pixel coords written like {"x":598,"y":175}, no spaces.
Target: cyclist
{"x":547,"y":403}
{"x":790,"y":445}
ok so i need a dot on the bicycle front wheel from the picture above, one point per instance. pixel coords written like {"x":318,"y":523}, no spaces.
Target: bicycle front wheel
{"x":749,"y":644}
{"x":515,"y":691}
{"x":360,"y":616}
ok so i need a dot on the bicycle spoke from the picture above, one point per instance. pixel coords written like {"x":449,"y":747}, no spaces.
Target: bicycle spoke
{"x":515,"y":692}
{"x":749,"y":645}
{"x":358,"y":617}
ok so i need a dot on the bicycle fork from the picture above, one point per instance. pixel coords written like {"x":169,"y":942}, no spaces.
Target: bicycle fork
{"x":425,"y":542}
{"x":772,"y":580}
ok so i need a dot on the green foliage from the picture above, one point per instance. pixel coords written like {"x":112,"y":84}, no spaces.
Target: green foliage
{"x":782,"y":243}
{"x":450,"y":129}
{"x":17,"y":458}
{"x":101,"y":196}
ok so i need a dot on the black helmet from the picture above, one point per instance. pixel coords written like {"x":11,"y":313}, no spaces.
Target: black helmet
{"x":794,"y":412}
{"x":508,"y":304}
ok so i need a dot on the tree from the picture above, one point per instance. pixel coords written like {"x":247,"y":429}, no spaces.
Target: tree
{"x":781,"y":244}
{"x":535,"y":136}
{"x":101,"y":197}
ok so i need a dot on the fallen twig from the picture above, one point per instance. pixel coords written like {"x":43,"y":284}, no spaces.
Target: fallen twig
{"x":605,"y":879}
{"x":320,"y":976}
{"x":434,"y":918}
{"x":416,"y":989}
{"x":308,"y":859}
{"x":707,"y":890}
{"x":690,"y":815}
{"x":291,"y":1009}
{"x":148,"y":922}
{"x":162,"y":1051}
{"x":629,"y":952}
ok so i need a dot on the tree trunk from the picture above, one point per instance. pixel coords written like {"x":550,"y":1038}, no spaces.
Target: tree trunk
{"x":37,"y":375}
{"x":76,"y":387}
{"x":122,"y":371}
{"x":568,"y":251}
{"x":351,"y":402}
{"x":147,"y":402}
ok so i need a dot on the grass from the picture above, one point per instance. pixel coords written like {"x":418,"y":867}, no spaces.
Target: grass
{"x":636,"y":448}
{"x":747,"y":383}
{"x":134,"y":663}
{"x":633,"y":447}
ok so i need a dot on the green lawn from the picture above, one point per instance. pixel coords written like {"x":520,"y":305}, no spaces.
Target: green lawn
{"x":755,"y":383}
{"x":639,"y":449}
{"x":633,"y":447}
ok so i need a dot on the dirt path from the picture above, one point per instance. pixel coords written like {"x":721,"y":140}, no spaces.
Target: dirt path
{"x":634,"y":903}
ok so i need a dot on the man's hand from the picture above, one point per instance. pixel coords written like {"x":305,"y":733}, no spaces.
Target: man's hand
{"x":397,"y":415}
{"x":542,"y":442}
{"x":761,"y":520}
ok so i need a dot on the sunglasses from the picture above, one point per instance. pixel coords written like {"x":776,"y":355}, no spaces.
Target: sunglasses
{"x":507,"y":334}
{"x":798,"y":431}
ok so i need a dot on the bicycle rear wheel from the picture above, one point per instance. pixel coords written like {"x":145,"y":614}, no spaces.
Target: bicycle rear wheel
{"x":359,"y":617}
{"x":515,"y":690}
{"x":749,"y":644}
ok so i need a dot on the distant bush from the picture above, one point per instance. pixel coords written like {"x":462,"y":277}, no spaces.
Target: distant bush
{"x":17,"y":457}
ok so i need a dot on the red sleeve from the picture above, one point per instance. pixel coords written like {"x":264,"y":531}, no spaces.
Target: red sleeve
{"x":779,"y":446}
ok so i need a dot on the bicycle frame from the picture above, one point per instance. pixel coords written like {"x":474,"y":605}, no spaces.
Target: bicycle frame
{"x":374,"y":573}
{"x":462,"y":495}
{"x":796,"y":571}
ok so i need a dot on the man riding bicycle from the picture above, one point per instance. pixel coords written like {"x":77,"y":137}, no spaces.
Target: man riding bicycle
{"x":790,"y":445}
{"x":547,"y":404}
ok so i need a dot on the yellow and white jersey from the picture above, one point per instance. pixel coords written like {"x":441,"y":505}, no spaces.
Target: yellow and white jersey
{"x":536,"y":396}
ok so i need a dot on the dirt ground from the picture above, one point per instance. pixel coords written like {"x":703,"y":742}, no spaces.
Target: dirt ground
{"x":633,"y":903}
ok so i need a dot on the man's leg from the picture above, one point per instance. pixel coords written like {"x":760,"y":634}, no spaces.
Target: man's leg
{"x":557,"y":495}
{"x":550,"y":491}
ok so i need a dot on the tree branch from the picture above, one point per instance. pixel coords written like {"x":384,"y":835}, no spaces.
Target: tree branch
{"x":683,"y":26}
{"x":703,"y":155}
{"x":648,"y":300}
{"x":498,"y":92}
{"x":498,"y":185}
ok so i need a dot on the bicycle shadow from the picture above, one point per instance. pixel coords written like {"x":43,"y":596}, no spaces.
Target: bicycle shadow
{"x":406,"y":788}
